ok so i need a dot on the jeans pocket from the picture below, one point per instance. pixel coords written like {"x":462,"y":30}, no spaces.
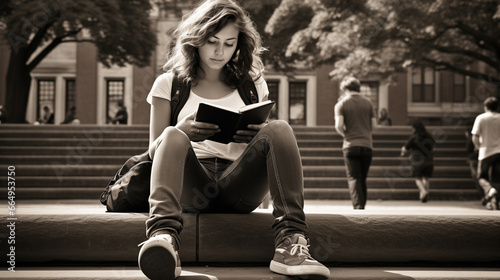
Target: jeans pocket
{"x":245,"y":207}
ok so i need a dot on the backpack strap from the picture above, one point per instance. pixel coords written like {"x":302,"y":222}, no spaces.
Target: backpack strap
{"x":180,"y":94}
{"x":248,"y":92}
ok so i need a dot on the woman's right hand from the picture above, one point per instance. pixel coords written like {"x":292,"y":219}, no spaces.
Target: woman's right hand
{"x":196,"y":131}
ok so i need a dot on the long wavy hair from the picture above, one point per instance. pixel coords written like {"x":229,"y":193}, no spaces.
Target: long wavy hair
{"x":420,"y":129}
{"x":205,"y":21}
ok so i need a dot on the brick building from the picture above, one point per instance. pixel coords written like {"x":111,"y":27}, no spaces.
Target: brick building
{"x":72,"y":76}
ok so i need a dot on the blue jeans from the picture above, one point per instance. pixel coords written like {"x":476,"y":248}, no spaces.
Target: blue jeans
{"x":271,"y":162}
{"x":357,"y":162}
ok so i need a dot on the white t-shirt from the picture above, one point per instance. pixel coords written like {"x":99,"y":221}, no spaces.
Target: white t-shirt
{"x":487,"y":127}
{"x":207,"y":149}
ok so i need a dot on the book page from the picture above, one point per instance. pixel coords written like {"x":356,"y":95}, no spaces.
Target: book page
{"x":255,"y":105}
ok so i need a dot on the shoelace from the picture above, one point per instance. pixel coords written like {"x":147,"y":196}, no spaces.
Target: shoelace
{"x":302,"y":250}
{"x":156,"y":237}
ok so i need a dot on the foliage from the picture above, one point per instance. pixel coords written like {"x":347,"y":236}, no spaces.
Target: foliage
{"x":121,"y":30}
{"x":384,"y":36}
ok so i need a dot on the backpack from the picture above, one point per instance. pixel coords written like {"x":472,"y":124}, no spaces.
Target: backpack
{"x":180,"y":94}
{"x":129,"y":189}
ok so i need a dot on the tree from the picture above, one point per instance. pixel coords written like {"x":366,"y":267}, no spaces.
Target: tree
{"x":363,"y":37}
{"x":261,"y":12}
{"x":120,"y":29}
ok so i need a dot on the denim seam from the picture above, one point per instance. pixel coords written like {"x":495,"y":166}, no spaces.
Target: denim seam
{"x":178,"y":197}
{"x":277,"y":176}
{"x":239,"y":161}
{"x":273,"y":157}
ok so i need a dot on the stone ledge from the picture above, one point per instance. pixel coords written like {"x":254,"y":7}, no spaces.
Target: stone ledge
{"x":73,"y":235}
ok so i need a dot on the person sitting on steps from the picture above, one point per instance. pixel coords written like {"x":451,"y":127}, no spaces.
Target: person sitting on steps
{"x":218,"y":48}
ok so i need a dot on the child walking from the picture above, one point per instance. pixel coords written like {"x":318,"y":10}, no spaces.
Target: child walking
{"x":217,"y":49}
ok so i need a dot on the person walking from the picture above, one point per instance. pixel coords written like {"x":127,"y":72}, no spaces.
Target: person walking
{"x":355,"y":120}
{"x":486,"y":137}
{"x":420,"y":148}
{"x":217,"y":49}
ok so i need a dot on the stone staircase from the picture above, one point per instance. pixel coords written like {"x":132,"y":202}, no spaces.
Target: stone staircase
{"x":76,"y":162}
{"x":62,"y":232}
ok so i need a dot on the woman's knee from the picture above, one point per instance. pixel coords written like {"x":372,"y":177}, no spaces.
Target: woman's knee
{"x":173,"y":136}
{"x":278,"y":128}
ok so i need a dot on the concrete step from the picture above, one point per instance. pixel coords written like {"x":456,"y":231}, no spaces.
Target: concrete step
{"x":390,"y":182}
{"x":85,"y":149}
{"x":386,"y":233}
{"x":211,"y":272}
{"x":408,"y":193}
{"x":402,"y":170}
{"x":89,"y":148}
{"x":120,"y":159}
{"x":376,"y":161}
{"x":309,"y":182}
{"x":94,"y":134}
{"x":117,"y":160}
{"x":382,"y":152}
{"x":141,"y":142}
{"x":395,"y":194}
{"x":7,"y":127}
{"x":68,"y":170}
{"x":73,"y":142}
{"x":78,"y":161}
{"x":378,"y":143}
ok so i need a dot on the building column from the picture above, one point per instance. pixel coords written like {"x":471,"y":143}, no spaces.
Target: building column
{"x":86,"y":83}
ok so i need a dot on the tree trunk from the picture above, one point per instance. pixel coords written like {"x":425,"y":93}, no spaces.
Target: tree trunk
{"x":17,"y":88}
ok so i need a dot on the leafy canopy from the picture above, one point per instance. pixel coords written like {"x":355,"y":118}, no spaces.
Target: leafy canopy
{"x":121,"y":29}
{"x":382,"y":37}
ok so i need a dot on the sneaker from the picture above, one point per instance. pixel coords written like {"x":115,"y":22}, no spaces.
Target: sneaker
{"x":292,"y":258}
{"x":490,"y":199}
{"x":491,"y":193}
{"x":158,"y":258}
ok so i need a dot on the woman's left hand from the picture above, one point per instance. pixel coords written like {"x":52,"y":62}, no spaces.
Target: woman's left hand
{"x":245,"y":136}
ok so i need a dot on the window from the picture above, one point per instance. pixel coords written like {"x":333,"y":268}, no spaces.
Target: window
{"x":115,"y":90}
{"x":70,"y":94}
{"x":423,"y":84}
{"x":298,"y":91}
{"x":458,"y":88}
{"x":273,"y":87}
{"x":46,"y":91}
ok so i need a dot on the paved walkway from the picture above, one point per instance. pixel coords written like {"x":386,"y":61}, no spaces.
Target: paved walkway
{"x":400,"y":207}
{"x":373,"y":207}
{"x":257,"y":273}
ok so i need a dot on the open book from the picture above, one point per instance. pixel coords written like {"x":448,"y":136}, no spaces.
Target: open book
{"x":230,"y":120}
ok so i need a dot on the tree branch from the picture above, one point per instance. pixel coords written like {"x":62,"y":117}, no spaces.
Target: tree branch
{"x":473,"y":74}
{"x":37,"y":39}
{"x":50,"y":47}
{"x":475,"y":55}
{"x":493,"y":43}
{"x":78,"y":41}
